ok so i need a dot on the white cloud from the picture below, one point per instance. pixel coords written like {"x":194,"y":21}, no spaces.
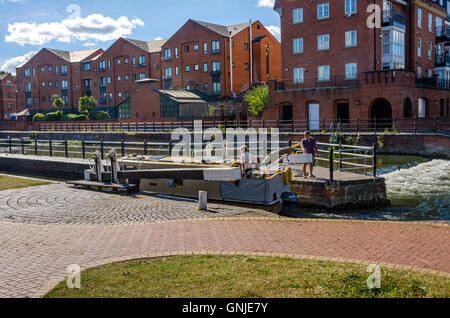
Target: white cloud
{"x":11,"y":64}
{"x":158,"y":38}
{"x":266,"y":3}
{"x":275,"y":30}
{"x":93,"y":27}
{"x":88,"y":44}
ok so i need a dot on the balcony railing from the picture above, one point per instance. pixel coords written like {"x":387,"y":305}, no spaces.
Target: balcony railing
{"x":167,"y":58}
{"x":311,"y":83}
{"x":433,"y":83}
{"x":395,"y":18}
{"x":443,"y":35}
{"x":443,"y":60}
{"x":215,"y":51}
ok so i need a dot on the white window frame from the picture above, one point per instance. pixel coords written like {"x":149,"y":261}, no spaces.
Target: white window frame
{"x":321,"y":11}
{"x":323,"y":45}
{"x":297,"y":46}
{"x":350,"y":7}
{"x":320,"y":73}
{"x":349,"y":38}
{"x":351,"y":71}
{"x":299,"y":75}
{"x":297,"y":15}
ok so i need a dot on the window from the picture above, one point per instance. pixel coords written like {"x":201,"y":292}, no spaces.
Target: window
{"x":28,"y":102}
{"x":64,"y":69}
{"x":119,"y":78}
{"x":134,"y":60}
{"x":176,"y":52}
{"x":50,"y":84}
{"x":42,"y":69}
{"x":215,"y":48}
{"x":119,"y":95}
{"x":195,"y":47}
{"x":297,"y":15}
{"x":351,"y":38}
{"x":430,"y":22}
{"x":430,"y":50}
{"x":86,"y":66}
{"x":28,"y":87}
{"x":323,"y":42}
{"x":168,"y":72}
{"x":205,"y":47}
{"x":64,"y":84}
{"x":56,"y":84}
{"x":9,"y":106}
{"x":177,"y":71}
{"x":407,"y":108}
{"x":109,"y":64}
{"x":27,"y":72}
{"x":246,"y":46}
{"x":323,"y":11}
{"x":109,"y":80}
{"x":350,"y":6}
{"x":196,"y":67}
{"x":246,"y":66}
{"x":298,"y":46}
{"x":216,"y":66}
{"x":205,"y":67}
{"x":351,"y":70}
{"x":49,"y":68}
{"x":216,"y":88}
{"x":324,"y":73}
{"x":34,"y":70}
{"x":118,"y":62}
{"x":187,"y":68}
{"x":126,"y":77}
{"x":419,"y":18}
{"x":142,"y":60}
{"x":299,"y":75}
{"x":125,"y":60}
{"x":43,"y":84}
{"x":419,"y":72}
{"x":102,"y":65}
{"x":430,"y":72}
{"x":110,"y":97}
{"x":186,"y":48}
{"x":439,"y":26}
{"x":419,"y":47}
{"x":205,"y":86}
{"x":167,"y":54}
{"x":142,"y":76}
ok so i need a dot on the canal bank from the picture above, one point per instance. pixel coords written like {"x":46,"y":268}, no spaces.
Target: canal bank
{"x":428,"y":145}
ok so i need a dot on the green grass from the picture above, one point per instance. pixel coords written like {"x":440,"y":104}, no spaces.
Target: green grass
{"x":246,"y":277}
{"x":7,"y":182}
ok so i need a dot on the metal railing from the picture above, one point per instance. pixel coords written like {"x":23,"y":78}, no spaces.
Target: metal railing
{"x":339,"y":157}
{"x":413,"y":125}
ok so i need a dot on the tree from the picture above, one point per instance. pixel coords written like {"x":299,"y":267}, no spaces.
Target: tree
{"x":258,"y":99}
{"x":86,"y":104}
{"x":59,"y":104}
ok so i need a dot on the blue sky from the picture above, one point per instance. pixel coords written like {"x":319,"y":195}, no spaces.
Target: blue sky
{"x":26,"y":26}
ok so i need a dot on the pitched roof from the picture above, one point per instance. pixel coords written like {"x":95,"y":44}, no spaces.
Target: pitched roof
{"x":73,"y":56}
{"x":2,"y":76}
{"x":222,"y":29}
{"x":148,"y":46}
{"x":182,"y":96}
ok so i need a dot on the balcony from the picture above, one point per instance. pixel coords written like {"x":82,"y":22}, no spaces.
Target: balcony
{"x":313,"y":83}
{"x":394,"y":18}
{"x":433,"y":83}
{"x":167,"y":58}
{"x":215,"y":51}
{"x":167,"y":77}
{"x":215,"y":73}
{"x":443,"y":60}
{"x":443,"y":36}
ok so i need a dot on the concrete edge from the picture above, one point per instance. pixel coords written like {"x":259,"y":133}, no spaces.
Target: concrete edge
{"x":53,"y":282}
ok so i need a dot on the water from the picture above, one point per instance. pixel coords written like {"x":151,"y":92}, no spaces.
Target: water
{"x":418,"y":187}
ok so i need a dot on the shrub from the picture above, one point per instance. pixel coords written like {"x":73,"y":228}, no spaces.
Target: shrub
{"x":39,"y":117}
{"x":82,"y":117}
{"x":53,"y":116}
{"x":257,"y":98}
{"x":99,"y":115}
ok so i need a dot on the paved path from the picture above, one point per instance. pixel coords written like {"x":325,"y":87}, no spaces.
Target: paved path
{"x":36,"y":249}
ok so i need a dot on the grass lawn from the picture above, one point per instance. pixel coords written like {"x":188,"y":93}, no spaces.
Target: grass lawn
{"x":7,"y":182}
{"x":246,"y":277}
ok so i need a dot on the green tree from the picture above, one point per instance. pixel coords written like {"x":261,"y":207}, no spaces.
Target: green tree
{"x":86,"y":104}
{"x":59,"y":104}
{"x":257,"y":99}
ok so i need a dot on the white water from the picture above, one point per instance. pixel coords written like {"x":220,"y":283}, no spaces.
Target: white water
{"x":425,"y":180}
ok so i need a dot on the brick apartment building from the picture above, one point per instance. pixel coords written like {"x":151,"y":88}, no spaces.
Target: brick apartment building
{"x":110,"y":76}
{"x":52,"y":72}
{"x":197,"y":74}
{"x":335,"y":67}
{"x":8,"y":104}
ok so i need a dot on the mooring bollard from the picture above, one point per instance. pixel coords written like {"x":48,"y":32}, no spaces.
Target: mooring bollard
{"x":203,"y":200}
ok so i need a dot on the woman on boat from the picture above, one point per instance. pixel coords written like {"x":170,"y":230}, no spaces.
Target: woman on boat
{"x":248,"y":161}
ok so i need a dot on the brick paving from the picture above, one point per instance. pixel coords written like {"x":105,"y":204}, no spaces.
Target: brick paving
{"x":42,"y":232}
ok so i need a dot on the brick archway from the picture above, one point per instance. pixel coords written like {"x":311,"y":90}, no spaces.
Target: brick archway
{"x":381,"y":113}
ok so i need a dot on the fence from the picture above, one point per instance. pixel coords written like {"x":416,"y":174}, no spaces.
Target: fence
{"x":374,"y":125}
{"x":340,"y":157}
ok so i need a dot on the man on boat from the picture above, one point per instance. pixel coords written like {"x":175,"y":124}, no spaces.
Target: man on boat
{"x":309,"y":146}
{"x":248,"y":161}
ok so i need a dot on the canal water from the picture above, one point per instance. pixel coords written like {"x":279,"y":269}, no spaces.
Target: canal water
{"x":418,"y":187}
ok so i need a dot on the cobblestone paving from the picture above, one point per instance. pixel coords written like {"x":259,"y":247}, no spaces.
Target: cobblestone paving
{"x":62,"y":205}
{"x":45,"y":229}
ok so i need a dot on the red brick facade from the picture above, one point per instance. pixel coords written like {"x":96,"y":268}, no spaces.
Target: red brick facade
{"x":193,"y":52}
{"x":8,"y":103}
{"x":349,"y":77}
